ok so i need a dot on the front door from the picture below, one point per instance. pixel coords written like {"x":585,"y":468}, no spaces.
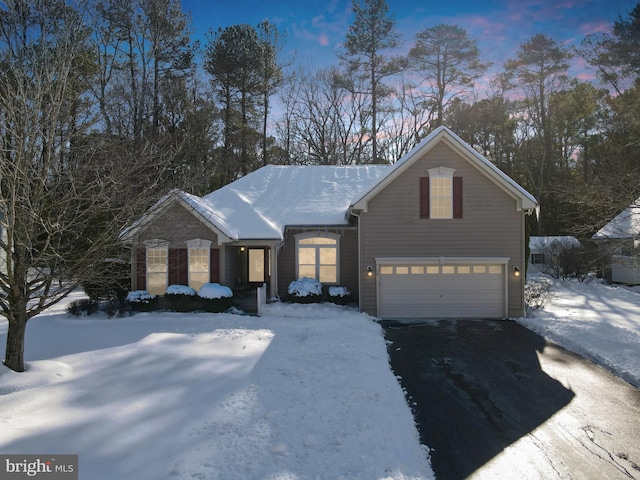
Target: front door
{"x":258,"y":265}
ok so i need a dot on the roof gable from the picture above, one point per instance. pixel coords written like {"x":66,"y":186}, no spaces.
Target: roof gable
{"x":525,"y":200}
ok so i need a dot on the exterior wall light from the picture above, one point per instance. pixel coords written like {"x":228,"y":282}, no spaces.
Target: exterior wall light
{"x":242,"y":248}
{"x":516,"y":272}
{"x":369,"y":271}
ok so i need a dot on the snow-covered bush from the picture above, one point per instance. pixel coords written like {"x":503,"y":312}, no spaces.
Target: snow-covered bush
{"x":537,"y":292}
{"x":339,"y":295}
{"x":180,"y":298}
{"x":214,"y":290}
{"x":305,"y":290}
{"x":215,"y":298}
{"x":142,"y":301}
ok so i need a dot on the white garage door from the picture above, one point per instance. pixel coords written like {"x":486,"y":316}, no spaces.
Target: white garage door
{"x":422,"y":290}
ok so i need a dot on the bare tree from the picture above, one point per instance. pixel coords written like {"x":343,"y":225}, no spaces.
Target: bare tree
{"x":64,"y":192}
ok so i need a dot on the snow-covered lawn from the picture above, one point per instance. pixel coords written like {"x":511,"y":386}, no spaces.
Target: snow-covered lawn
{"x":303,"y":392}
{"x":598,"y":321}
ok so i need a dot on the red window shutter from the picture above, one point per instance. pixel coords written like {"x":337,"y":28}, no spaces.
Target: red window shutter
{"x":183,"y":266}
{"x":178,"y":266}
{"x":457,"y":197}
{"x":141,"y":269}
{"x":424,"y":197}
{"x":214,"y":265}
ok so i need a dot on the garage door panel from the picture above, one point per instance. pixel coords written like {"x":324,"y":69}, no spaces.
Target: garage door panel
{"x":442,"y":294}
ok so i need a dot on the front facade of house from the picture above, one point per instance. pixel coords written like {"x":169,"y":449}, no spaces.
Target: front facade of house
{"x":438,"y":234}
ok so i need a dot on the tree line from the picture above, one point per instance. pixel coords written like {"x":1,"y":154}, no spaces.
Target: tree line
{"x":107,"y":104}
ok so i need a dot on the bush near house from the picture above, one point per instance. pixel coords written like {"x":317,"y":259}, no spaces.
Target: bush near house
{"x":339,"y":295}
{"x":305,"y":290}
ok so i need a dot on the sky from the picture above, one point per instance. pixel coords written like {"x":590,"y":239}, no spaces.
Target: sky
{"x":315,"y":29}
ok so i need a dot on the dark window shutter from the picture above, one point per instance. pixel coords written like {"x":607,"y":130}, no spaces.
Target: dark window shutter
{"x":214,"y":265}
{"x":141,"y":269}
{"x":173,"y":267}
{"x":424,"y":197}
{"x":457,"y":197}
{"x":178,"y":266}
{"x":183,"y":266}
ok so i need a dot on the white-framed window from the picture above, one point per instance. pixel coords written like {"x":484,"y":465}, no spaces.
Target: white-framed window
{"x":157,"y":266}
{"x":199,"y":262}
{"x":317,"y":255}
{"x":441,"y":192}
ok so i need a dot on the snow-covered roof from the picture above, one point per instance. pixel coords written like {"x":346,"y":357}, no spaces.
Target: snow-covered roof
{"x":625,"y":225}
{"x":261,"y":204}
{"x":551,"y":242}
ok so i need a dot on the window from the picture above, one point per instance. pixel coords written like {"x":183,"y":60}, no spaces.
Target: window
{"x":157,"y":268}
{"x":198,"y":262}
{"x":441,"y":194}
{"x":317,"y":256}
{"x":537,"y":258}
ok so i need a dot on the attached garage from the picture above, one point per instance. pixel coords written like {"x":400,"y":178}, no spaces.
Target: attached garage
{"x":442,"y":287}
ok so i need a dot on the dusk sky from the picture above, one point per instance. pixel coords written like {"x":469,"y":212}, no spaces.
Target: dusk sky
{"x":315,"y":29}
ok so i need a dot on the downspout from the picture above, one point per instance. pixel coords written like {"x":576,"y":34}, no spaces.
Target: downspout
{"x":360,"y":285}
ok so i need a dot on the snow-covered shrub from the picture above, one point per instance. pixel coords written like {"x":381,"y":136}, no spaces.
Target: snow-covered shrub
{"x":305,"y":290}
{"x":537,"y":292}
{"x":214,"y":290}
{"x":142,"y":301}
{"x":180,"y":298}
{"x":215,"y":298}
{"x":339,"y":295}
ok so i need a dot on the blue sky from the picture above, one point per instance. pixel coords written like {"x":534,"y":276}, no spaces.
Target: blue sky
{"x":315,"y":28}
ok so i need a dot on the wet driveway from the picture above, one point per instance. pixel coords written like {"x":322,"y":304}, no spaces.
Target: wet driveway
{"x":494,"y":400}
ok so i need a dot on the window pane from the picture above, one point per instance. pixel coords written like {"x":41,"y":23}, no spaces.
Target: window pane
{"x":317,"y":241}
{"x":402,"y":270}
{"x":386,"y":270}
{"x":156,"y":260}
{"x":479,"y":269}
{"x":198,"y":260}
{"x":417,"y":270}
{"x":464,"y":269}
{"x":307,"y":256}
{"x":448,"y":269}
{"x":256,"y":265}
{"x":433,"y":270}
{"x":157,"y":283}
{"x":307,"y":271}
{"x":328,"y":274}
{"x":327,"y":256}
{"x":495,"y":269}
{"x":196,"y":280}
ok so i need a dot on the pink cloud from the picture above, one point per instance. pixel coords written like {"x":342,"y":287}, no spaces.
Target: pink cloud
{"x":323,"y":40}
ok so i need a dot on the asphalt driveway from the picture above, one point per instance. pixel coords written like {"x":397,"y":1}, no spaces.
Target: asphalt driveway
{"x":494,"y":400}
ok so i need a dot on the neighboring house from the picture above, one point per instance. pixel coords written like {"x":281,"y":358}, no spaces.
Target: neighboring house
{"x":620,"y":241}
{"x":441,"y":233}
{"x":544,"y":252}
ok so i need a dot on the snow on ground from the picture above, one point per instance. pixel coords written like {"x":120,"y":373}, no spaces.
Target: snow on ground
{"x":303,"y":392}
{"x":598,"y":321}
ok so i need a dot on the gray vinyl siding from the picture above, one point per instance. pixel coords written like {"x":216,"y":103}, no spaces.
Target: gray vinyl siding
{"x":348,"y":258}
{"x":491,"y":225}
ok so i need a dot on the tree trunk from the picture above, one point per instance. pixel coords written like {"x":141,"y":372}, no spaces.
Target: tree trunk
{"x":14,"y":356}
